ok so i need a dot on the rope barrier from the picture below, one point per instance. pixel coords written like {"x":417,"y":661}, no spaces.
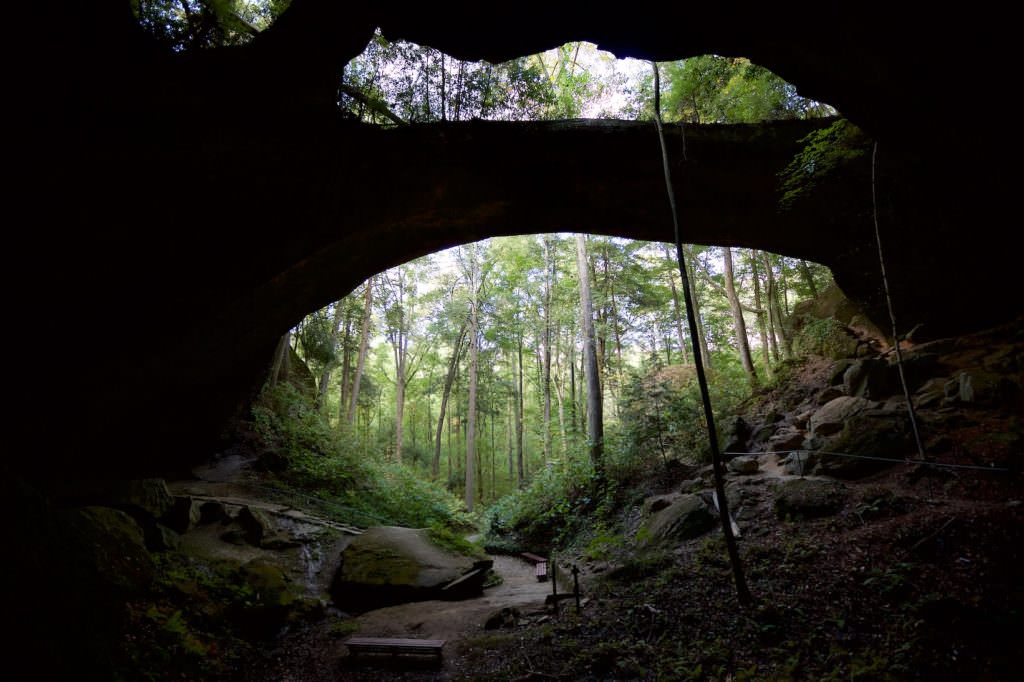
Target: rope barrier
{"x":892,"y":460}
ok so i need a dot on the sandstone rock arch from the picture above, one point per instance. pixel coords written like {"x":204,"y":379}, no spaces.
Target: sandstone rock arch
{"x":187,"y":208}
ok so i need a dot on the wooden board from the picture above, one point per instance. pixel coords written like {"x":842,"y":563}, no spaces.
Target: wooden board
{"x":533,"y":558}
{"x":462,"y":578}
{"x":386,"y":645}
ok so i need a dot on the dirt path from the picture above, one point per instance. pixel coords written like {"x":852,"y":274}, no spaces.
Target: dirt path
{"x":315,"y":654}
{"x":451,"y":620}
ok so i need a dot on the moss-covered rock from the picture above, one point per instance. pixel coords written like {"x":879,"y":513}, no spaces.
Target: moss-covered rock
{"x":106,"y":548}
{"x":687,"y":517}
{"x":873,"y":433}
{"x":826,"y":338}
{"x":833,"y":414}
{"x":390,"y":565}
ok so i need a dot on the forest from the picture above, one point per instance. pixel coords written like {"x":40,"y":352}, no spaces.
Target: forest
{"x":527,"y":454}
{"x":494,"y":328}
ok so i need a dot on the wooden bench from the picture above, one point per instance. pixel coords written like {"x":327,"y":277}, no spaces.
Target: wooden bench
{"x":540,"y":565}
{"x":383,"y":645}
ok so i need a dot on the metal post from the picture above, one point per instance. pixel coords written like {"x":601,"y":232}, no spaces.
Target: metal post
{"x":576,"y":586}
{"x":554,"y":582}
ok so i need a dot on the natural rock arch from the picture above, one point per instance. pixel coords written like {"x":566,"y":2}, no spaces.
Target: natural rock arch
{"x":187,"y":207}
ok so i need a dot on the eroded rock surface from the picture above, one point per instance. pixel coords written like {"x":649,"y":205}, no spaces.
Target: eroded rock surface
{"x":391,"y":565}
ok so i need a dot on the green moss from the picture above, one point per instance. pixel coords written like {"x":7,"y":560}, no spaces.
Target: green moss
{"x":826,"y":337}
{"x":343,"y":628}
{"x":452,"y":541}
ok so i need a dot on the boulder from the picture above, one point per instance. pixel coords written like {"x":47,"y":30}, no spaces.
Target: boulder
{"x":504,"y":618}
{"x":137,"y":497}
{"x":762,"y":434}
{"x":787,"y":438}
{"x":690,"y":485}
{"x":828,"y":395}
{"x":104,"y":548}
{"x":831,"y":417}
{"x":808,"y":498}
{"x":160,"y":538}
{"x":835,"y":376}
{"x":734,"y":433}
{"x":392,"y":565}
{"x":256,"y":525}
{"x":744,"y":465}
{"x":930,"y":393}
{"x":873,"y":379}
{"x":687,"y":517}
{"x":271,"y":599}
{"x":658,"y":502}
{"x":801,"y":419}
{"x":918,"y":368}
{"x":183,"y":514}
{"x":872,"y":433}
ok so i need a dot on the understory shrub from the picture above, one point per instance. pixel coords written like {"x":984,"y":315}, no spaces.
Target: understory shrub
{"x":320,"y":462}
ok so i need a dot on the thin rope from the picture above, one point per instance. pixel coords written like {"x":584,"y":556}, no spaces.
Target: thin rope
{"x":888,"y":301}
{"x":893,"y":460}
{"x":742,"y":592}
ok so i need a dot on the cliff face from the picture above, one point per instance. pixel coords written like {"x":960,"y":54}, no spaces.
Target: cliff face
{"x":199,"y":204}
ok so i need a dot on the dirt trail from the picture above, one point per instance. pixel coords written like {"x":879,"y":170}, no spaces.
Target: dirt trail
{"x":451,"y":620}
{"x":315,"y":654}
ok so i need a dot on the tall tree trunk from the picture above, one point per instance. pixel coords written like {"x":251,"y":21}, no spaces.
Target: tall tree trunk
{"x":676,"y":315}
{"x":776,"y":309}
{"x":655,"y":358}
{"x":560,"y":395}
{"x":346,"y":360}
{"x":572,"y":385}
{"x":519,"y":416}
{"x":737,"y":317}
{"x":595,"y":416}
{"x":325,"y":375}
{"x":808,"y":277}
{"x":619,"y":375}
{"x":444,"y":108}
{"x":471,"y":409}
{"x":453,"y":367}
{"x":548,"y":266}
{"x":784,"y":285}
{"x":762,"y":327}
{"x":703,"y":340}
{"x":492,"y":414}
{"x":399,"y":401}
{"x":280,"y":359}
{"x":582,"y":375}
{"x":510,"y":429}
{"x":364,"y":338}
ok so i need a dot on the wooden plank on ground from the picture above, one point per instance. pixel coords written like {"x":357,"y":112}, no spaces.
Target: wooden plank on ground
{"x":387,"y":645}
{"x":461,"y":579}
{"x":533,"y":557}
